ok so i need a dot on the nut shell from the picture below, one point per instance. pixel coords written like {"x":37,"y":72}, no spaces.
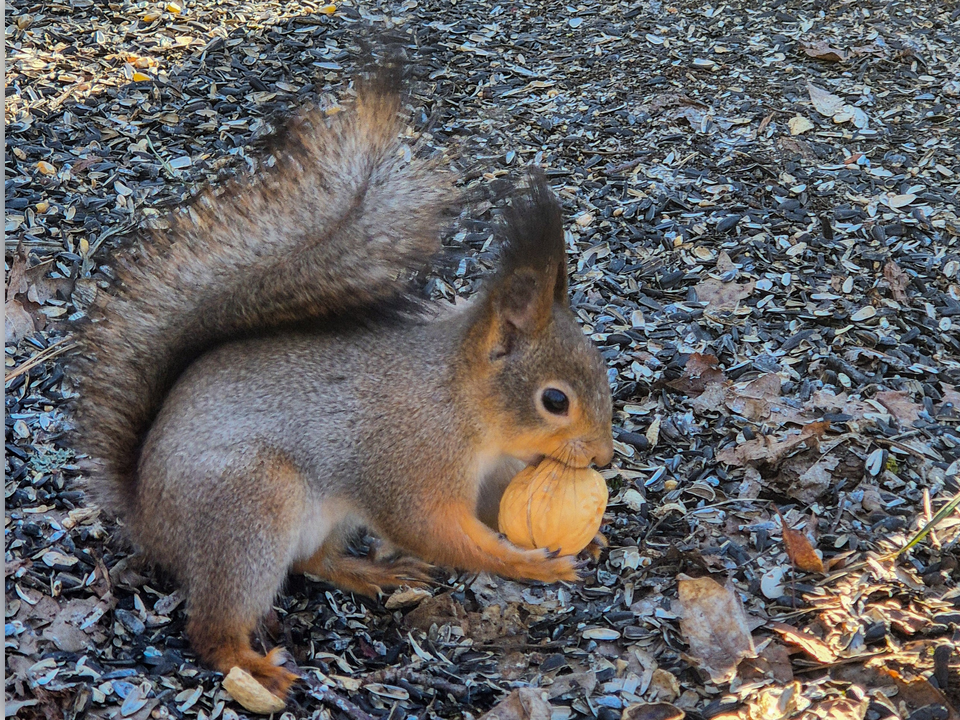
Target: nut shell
{"x":244,"y":688}
{"x":553,"y":506}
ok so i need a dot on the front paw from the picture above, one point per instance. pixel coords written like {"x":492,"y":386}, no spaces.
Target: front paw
{"x":542,"y":565}
{"x":596,"y":546}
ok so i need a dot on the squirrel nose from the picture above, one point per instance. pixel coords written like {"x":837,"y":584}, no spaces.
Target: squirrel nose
{"x":603,"y":451}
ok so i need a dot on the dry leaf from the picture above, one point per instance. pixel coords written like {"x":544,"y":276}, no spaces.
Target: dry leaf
{"x":776,"y":703}
{"x":813,"y":646}
{"x":521,"y":704}
{"x":900,"y":405}
{"x":715,"y":626}
{"x":844,"y":708}
{"x":823,"y":51}
{"x":951,"y":395}
{"x":710,"y":400}
{"x":798,"y":125}
{"x":23,"y":299}
{"x":40,"y":287}
{"x":898,"y":280}
{"x":699,"y":371}
{"x":723,"y":296}
{"x":825,"y":103}
{"x":800,"y":551}
{"x":653,"y":432}
{"x":652,"y":711}
{"x":725,"y":262}
{"x":772,"y":661}
{"x":770,"y":449}
{"x":754,"y":399}
{"x":813,"y":481}
{"x":406,"y":597}
{"x":17,"y":323}
{"x":663,"y":686}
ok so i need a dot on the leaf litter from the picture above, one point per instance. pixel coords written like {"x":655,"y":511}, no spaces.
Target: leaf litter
{"x":763,"y":240}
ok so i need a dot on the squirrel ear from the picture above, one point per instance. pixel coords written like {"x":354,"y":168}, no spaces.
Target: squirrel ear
{"x":523,"y":300}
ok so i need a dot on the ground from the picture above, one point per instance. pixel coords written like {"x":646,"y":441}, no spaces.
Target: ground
{"x":761,"y":203}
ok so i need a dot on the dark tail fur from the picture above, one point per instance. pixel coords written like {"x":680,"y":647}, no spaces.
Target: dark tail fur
{"x":333,"y":229}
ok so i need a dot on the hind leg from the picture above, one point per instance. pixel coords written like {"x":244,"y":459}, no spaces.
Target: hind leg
{"x":362,"y":575}
{"x":230,"y":542}
{"x":224,"y":643}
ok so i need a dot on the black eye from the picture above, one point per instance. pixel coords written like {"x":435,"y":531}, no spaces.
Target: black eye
{"x":555,"y":401}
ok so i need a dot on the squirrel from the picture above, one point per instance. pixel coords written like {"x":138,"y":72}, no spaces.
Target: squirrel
{"x":261,"y":383}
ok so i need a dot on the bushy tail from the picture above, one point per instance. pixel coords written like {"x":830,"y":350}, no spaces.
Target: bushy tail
{"x":334,"y":228}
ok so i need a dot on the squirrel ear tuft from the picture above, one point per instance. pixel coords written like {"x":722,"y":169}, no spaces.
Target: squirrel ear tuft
{"x":532,"y":232}
{"x":532,"y":276}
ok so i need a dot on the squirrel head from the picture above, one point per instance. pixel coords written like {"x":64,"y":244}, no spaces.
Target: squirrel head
{"x":540,"y":378}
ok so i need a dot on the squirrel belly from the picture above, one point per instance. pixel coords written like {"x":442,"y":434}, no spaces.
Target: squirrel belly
{"x":331,"y":408}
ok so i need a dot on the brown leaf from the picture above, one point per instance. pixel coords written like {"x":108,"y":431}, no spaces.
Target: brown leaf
{"x":700,"y":371}
{"x":900,"y":405}
{"x":723,"y":296}
{"x":778,"y":658}
{"x":753,"y":401}
{"x":898,"y":280}
{"x":16,"y":281}
{"x":715,"y":626}
{"x":521,"y":704}
{"x":725,"y":262}
{"x":821,"y":50}
{"x":41,"y":288}
{"x":580,"y":683}
{"x":65,"y":630}
{"x":770,"y":449}
{"x":844,"y":708}
{"x":815,"y":480}
{"x":829,"y":403}
{"x":17,"y":322}
{"x":911,"y":694}
{"x":710,"y":400}
{"x":813,"y":646}
{"x":27,"y":289}
{"x":439,"y":610}
{"x":951,"y":395}
{"x":652,"y":711}
{"x":800,"y":551}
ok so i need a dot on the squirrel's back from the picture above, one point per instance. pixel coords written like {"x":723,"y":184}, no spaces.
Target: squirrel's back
{"x":314,"y":238}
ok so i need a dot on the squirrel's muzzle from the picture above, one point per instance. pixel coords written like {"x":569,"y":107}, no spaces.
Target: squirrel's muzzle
{"x":602,"y":451}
